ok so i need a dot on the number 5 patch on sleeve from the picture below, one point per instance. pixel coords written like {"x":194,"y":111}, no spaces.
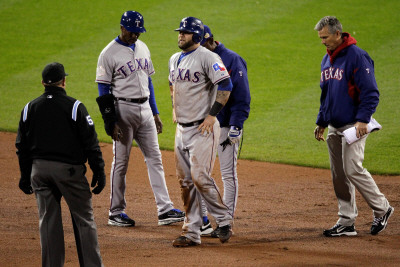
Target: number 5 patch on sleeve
{"x":89,"y":120}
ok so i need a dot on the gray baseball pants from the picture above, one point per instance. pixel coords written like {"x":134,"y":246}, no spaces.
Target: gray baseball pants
{"x":137,"y":123}
{"x":195,"y":155}
{"x":348,"y":174}
{"x":228,"y":165}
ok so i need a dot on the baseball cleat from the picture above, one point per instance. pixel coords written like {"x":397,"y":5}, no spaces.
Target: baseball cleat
{"x":215,"y":233}
{"x":183,"y":241}
{"x":379,"y":224}
{"x":121,"y":220}
{"x":206,"y":229}
{"x":225,"y":233}
{"x":339,"y":230}
{"x":171,"y":216}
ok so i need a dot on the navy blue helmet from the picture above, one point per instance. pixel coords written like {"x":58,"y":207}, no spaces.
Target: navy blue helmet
{"x":133,"y":21}
{"x":192,"y":25}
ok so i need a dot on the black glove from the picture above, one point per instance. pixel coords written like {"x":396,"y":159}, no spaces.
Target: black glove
{"x":25,"y":185}
{"x":107,"y":109}
{"x":109,"y":127}
{"x":99,"y":178}
{"x":226,"y":143}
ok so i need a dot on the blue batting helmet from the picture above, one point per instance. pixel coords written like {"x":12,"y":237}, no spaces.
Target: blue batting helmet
{"x":133,"y":21}
{"x":192,"y":25}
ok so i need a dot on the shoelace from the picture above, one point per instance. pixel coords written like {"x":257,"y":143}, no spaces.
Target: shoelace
{"x":377,"y":221}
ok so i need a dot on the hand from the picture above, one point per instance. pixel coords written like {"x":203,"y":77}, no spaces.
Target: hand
{"x":99,"y":178}
{"x":207,"y":126}
{"x":319,"y":133}
{"x":117,"y":133}
{"x":234,"y":134}
{"x":25,"y":185}
{"x":173,"y":116}
{"x":361,"y":129}
{"x":158,"y":122}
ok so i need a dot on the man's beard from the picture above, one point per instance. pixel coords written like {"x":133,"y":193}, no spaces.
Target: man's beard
{"x":186,"y":45}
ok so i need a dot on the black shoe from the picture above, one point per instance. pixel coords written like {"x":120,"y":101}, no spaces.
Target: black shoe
{"x":206,"y":229}
{"x":171,"y":216}
{"x":225,"y":232}
{"x":215,"y":233}
{"x":339,"y":230}
{"x":379,"y":224}
{"x":121,"y":220}
{"x":183,"y":241}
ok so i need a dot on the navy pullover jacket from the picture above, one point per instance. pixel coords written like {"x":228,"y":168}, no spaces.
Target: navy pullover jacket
{"x":349,"y":90}
{"x":237,"y":109}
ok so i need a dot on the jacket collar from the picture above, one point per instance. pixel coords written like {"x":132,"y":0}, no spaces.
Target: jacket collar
{"x":219,"y":47}
{"x":347,"y":41}
{"x":54,"y":90}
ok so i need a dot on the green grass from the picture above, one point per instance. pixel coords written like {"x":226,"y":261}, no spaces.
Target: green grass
{"x":276,"y":38}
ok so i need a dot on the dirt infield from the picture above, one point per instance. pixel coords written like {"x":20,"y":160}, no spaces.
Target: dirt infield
{"x":281,"y":213}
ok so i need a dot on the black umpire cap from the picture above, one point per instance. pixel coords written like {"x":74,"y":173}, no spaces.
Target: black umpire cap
{"x":53,"y":72}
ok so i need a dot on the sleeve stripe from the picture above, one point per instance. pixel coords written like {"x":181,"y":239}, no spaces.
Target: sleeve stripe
{"x":223,"y":78}
{"x":75,"y":109}
{"x":25,"y":112}
{"x":103,"y":81}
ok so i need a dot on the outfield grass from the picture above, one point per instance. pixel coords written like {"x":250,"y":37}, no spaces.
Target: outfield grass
{"x":276,"y":38}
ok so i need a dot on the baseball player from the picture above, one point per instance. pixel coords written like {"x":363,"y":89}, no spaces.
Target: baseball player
{"x":56,"y":136}
{"x":193,"y":74}
{"x":349,"y":97}
{"x":127,"y":103}
{"x":231,"y":120}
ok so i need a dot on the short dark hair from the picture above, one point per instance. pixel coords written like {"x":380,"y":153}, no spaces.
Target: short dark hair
{"x":55,"y":84}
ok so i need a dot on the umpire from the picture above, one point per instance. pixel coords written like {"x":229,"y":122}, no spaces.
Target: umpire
{"x":56,"y":136}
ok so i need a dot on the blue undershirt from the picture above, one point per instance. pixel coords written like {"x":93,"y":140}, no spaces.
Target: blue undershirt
{"x":184,"y":55}
{"x":225,"y":85}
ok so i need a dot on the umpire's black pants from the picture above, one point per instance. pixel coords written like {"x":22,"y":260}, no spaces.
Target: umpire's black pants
{"x":50,"y":181}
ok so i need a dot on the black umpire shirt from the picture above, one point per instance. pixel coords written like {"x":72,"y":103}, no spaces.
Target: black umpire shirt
{"x":57,"y":127}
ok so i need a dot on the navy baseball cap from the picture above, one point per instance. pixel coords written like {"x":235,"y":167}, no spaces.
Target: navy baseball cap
{"x":53,"y":72}
{"x":207,"y":34}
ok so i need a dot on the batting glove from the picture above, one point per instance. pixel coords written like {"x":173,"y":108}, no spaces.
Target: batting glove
{"x":99,"y":178}
{"x":234,"y":134}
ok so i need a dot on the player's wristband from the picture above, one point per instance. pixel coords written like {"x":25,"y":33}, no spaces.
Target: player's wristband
{"x":216,"y":108}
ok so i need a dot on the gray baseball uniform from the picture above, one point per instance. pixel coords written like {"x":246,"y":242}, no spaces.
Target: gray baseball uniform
{"x":128,"y":71}
{"x":193,"y":76}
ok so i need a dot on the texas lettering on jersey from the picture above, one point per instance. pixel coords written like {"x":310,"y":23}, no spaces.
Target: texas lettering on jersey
{"x":129,"y":67}
{"x":331,"y":73}
{"x":185,"y":75}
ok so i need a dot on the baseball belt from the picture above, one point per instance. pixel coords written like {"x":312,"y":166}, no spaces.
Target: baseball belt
{"x":190,"y":124}
{"x":133,"y":100}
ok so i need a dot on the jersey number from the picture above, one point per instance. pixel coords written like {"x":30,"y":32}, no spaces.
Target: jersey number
{"x":89,"y":120}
